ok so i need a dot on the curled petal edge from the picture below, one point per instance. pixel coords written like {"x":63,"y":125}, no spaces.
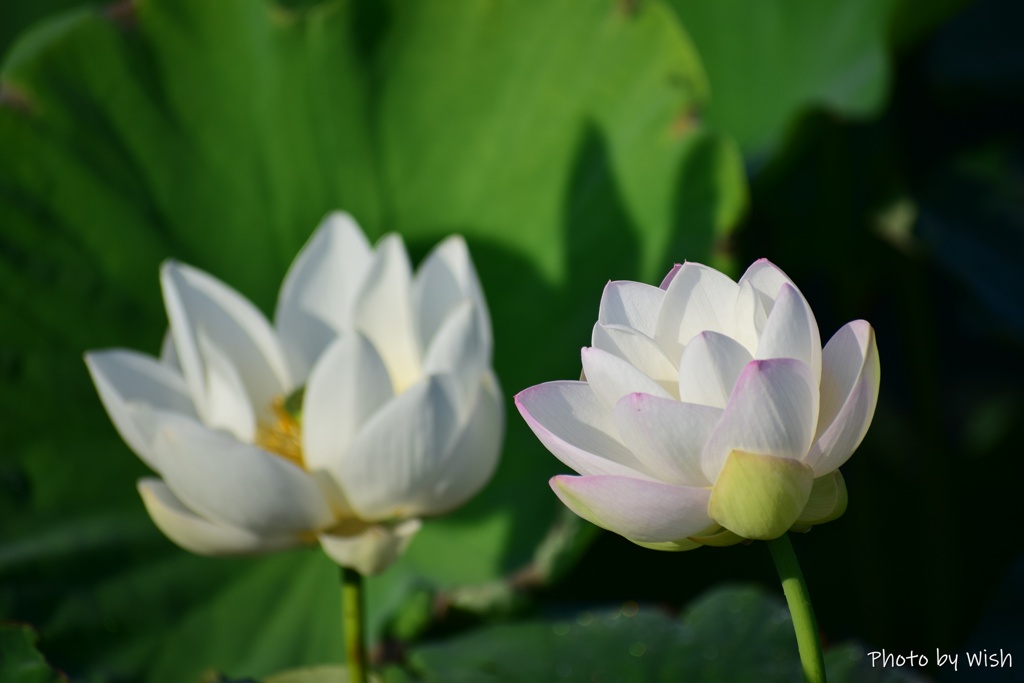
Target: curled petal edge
{"x":650,"y":514}
{"x":201,"y":536}
{"x":827,"y":502}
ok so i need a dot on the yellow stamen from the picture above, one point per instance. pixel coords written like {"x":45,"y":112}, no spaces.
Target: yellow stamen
{"x":283,"y":435}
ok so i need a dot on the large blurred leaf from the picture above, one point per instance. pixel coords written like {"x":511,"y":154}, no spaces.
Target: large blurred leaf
{"x":769,"y":61}
{"x":20,"y":662}
{"x":558,"y":137}
{"x":15,"y":16}
{"x":729,"y":634}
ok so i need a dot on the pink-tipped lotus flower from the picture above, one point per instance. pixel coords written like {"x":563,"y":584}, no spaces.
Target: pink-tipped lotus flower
{"x":368,"y":404}
{"x":709,"y":412}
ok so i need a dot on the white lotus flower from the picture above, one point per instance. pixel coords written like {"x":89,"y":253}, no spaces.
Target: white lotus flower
{"x":709,"y":413}
{"x":369,"y":404}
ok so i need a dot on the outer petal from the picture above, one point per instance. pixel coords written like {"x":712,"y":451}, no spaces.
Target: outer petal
{"x":698,"y":299}
{"x":760,"y":496}
{"x":125,"y":377}
{"x":383,"y":312}
{"x":611,"y":378}
{"x":237,"y":484}
{"x":346,"y":387}
{"x":849,"y":392}
{"x":317,"y":294}
{"x":197,"y":535}
{"x":444,"y":280}
{"x":719,"y":538}
{"x":459,"y":350}
{"x":827,"y":501}
{"x":471,"y":461}
{"x":195,"y":299}
{"x":670,"y":276}
{"x":791,"y":331}
{"x":642,"y":511}
{"x":639,"y":350}
{"x":709,"y":368}
{"x":369,"y":549}
{"x":631,"y":304}
{"x":773,"y":410}
{"x":400,"y":452}
{"x":667,"y":436}
{"x":575,"y":426}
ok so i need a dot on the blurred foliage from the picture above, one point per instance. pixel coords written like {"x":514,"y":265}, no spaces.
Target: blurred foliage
{"x":730,"y":633}
{"x":772,"y":60}
{"x":20,"y":661}
{"x":571,"y":145}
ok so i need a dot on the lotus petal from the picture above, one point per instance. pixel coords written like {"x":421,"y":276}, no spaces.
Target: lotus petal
{"x":399,"y":452}
{"x":575,"y":426}
{"x":773,"y":410}
{"x":126,"y":377}
{"x":347,"y":386}
{"x":236,"y":484}
{"x":849,"y":393}
{"x":369,"y":549}
{"x":318,"y":293}
{"x":760,"y":496}
{"x":667,"y":436}
{"x":201,"y":536}
{"x":642,"y":511}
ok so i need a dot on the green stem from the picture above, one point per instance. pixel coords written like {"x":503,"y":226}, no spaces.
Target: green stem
{"x":352,"y":623}
{"x":800,"y":608}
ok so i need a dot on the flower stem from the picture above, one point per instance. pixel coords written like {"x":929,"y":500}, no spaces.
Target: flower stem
{"x":352,"y":623}
{"x":800,"y":608}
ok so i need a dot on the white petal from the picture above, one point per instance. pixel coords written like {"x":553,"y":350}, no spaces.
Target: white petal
{"x":459,"y":350}
{"x":373,"y":548}
{"x":127,"y":377}
{"x":195,"y":299}
{"x":749,"y":317}
{"x":315,"y":302}
{"x":168,"y":354}
{"x":348,"y":384}
{"x":444,"y":280}
{"x":639,"y":350}
{"x":227,"y":403}
{"x":237,"y":484}
{"x":631,"y":304}
{"x":383,"y":312}
{"x":575,"y":426}
{"x":699,"y":298}
{"x":471,"y":461}
{"x":773,"y":410}
{"x":642,"y":511}
{"x":667,"y":436}
{"x":201,"y":536}
{"x":791,"y":331}
{"x":400,"y":452}
{"x":611,"y":378}
{"x":767,"y":279}
{"x":849,"y":392}
{"x":670,"y":276}
{"x":709,"y":368}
